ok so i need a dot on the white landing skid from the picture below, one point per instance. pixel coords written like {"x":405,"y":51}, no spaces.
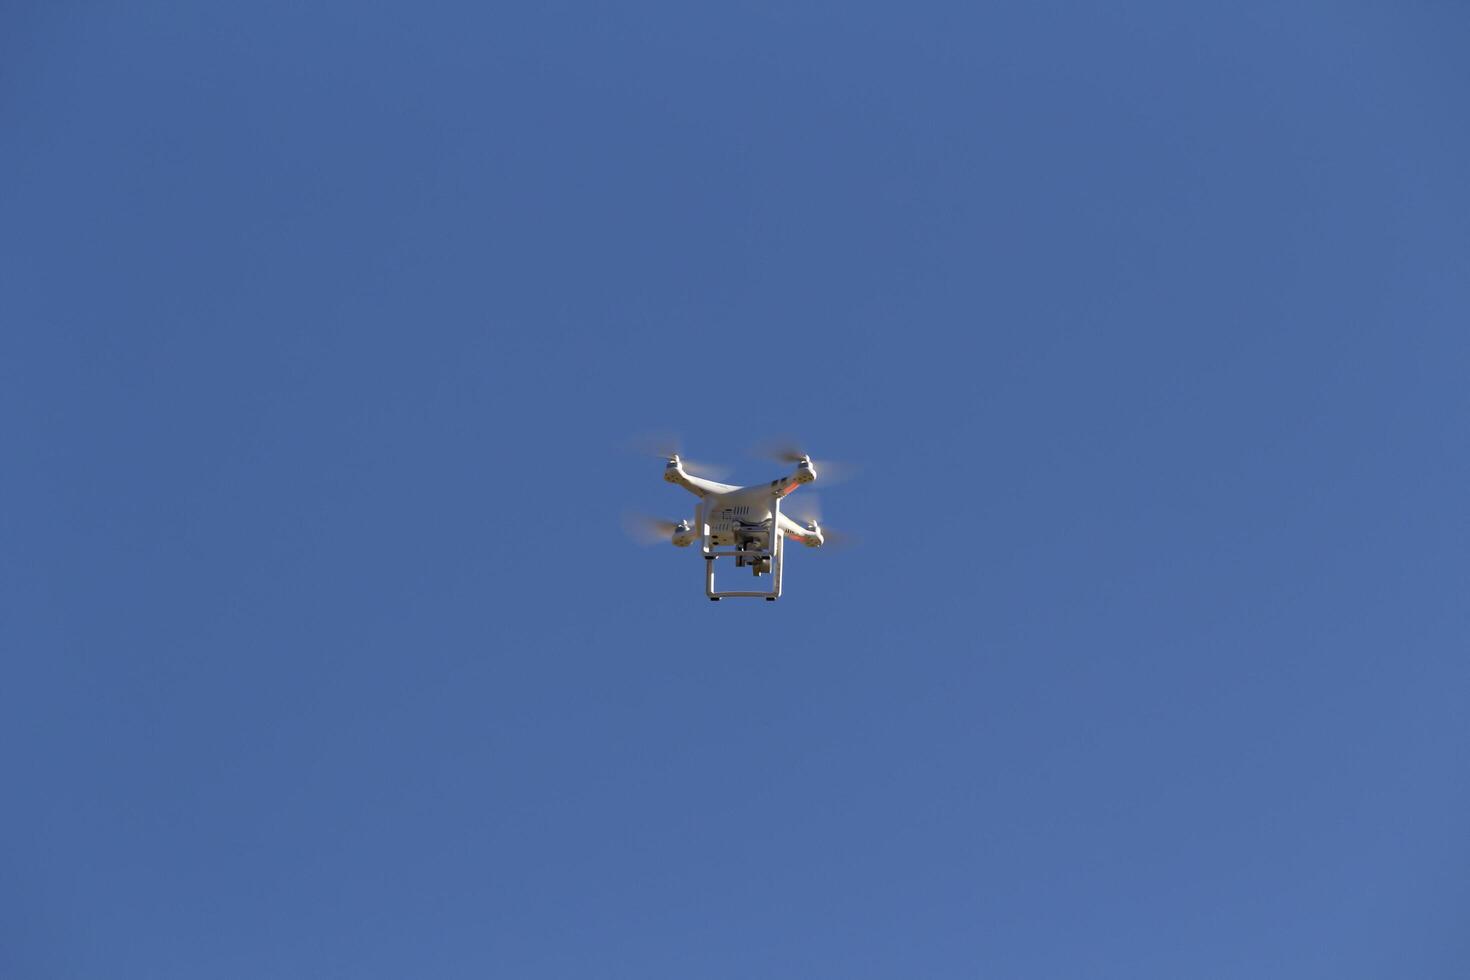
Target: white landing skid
{"x":776,"y":554}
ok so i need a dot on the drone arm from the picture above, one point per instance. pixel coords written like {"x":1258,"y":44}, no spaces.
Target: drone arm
{"x":802,"y":474}
{"x":697,"y":485}
{"x":797,"y":532}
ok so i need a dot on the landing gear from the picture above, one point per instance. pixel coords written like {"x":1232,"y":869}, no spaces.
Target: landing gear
{"x":761,"y":562}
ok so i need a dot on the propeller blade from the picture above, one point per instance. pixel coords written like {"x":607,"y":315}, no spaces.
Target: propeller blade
{"x":831,"y":471}
{"x":779,"y":450}
{"x":789,"y":451}
{"x":647,"y":530}
{"x":663,"y":445}
{"x":839,"y":539}
{"x":659,"y":444}
{"x":712,"y":471}
{"x":806,"y":507}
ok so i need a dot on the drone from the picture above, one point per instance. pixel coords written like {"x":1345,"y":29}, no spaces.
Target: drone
{"x":744,"y":523}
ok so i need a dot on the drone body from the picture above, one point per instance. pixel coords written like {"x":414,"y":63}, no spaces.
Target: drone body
{"x":744,"y":523}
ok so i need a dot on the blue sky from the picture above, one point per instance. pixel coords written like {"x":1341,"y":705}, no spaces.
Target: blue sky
{"x":324,"y":330}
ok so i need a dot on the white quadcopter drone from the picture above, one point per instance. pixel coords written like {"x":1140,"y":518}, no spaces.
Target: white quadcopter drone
{"x":744,"y":523}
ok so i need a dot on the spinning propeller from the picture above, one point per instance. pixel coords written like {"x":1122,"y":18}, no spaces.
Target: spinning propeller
{"x":806,"y":507}
{"x":647,"y":530}
{"x":666,"y":446}
{"x":788,"y":450}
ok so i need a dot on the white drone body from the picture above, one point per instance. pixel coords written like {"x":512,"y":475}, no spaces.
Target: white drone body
{"x":744,"y":521}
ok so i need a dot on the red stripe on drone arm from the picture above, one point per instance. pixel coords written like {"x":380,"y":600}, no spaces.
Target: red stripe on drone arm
{"x":797,"y":532}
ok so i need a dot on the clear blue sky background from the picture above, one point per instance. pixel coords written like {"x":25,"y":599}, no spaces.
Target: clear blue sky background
{"x":323,"y":653}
